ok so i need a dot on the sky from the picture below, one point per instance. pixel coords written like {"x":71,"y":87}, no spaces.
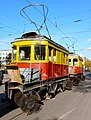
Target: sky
{"x":67,"y":22}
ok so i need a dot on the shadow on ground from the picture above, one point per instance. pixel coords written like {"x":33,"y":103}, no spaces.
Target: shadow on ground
{"x":6,"y":106}
{"x":84,"y":86}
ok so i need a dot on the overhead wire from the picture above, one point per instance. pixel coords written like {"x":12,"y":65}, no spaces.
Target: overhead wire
{"x":65,"y":34}
{"x":79,"y":32}
{"x":9,"y":27}
{"x":32,"y":22}
{"x":76,"y":13}
{"x":50,"y":21}
{"x":45,"y":23}
{"x":76,"y":21}
{"x":44,"y":14}
{"x":55,"y":25}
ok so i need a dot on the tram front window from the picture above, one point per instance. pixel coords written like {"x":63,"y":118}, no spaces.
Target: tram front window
{"x":39,"y":52}
{"x":24,"y":52}
{"x":75,"y":62}
{"x":69,"y":62}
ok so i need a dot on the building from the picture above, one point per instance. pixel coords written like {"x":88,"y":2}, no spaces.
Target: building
{"x":3,"y":56}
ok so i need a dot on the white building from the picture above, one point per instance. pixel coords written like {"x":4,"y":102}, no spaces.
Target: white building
{"x":3,"y":55}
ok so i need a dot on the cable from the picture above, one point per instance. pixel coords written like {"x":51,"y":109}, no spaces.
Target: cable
{"x":44,"y":14}
{"x":57,"y":28}
{"x":74,"y":13}
{"x":28,"y":17}
{"x":72,"y":45}
{"x":79,"y":32}
{"x":50,"y":21}
{"x":9,"y":27}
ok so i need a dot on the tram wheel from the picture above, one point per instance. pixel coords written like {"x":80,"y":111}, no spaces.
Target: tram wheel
{"x":69,"y":84}
{"x":28,"y":103}
{"x":76,"y":81}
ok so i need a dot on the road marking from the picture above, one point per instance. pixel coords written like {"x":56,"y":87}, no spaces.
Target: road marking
{"x":64,"y":115}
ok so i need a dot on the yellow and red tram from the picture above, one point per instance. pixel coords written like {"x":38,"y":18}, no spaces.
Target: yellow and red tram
{"x":39,"y":67}
{"x":40,"y":53}
{"x":75,"y":67}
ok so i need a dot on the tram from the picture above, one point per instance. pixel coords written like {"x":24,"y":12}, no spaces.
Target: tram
{"x":38,"y":69}
{"x":75,"y":68}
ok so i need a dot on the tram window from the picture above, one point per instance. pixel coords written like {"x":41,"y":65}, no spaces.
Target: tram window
{"x":50,"y":53}
{"x":69,"y":61}
{"x":66,"y":59}
{"x":75,"y":62}
{"x":39,"y":52}
{"x":24,"y":53}
{"x":54,"y":55}
{"x":63,"y":58}
{"x":14,"y":52}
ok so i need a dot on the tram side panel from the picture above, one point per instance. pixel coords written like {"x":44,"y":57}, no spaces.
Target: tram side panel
{"x":48,"y":71}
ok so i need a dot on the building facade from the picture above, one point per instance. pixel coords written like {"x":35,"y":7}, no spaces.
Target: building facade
{"x":3,"y":56}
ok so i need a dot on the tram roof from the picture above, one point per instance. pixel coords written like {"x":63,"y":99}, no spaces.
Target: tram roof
{"x":35,"y":36}
{"x":75,"y":55}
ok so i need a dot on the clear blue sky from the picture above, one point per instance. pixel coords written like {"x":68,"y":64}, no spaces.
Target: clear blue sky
{"x":68,"y":22}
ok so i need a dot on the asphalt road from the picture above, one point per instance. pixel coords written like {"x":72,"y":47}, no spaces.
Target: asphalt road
{"x":69,"y":105}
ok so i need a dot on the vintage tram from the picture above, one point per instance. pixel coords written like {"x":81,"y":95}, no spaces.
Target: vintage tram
{"x":75,"y":68}
{"x":39,"y":68}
